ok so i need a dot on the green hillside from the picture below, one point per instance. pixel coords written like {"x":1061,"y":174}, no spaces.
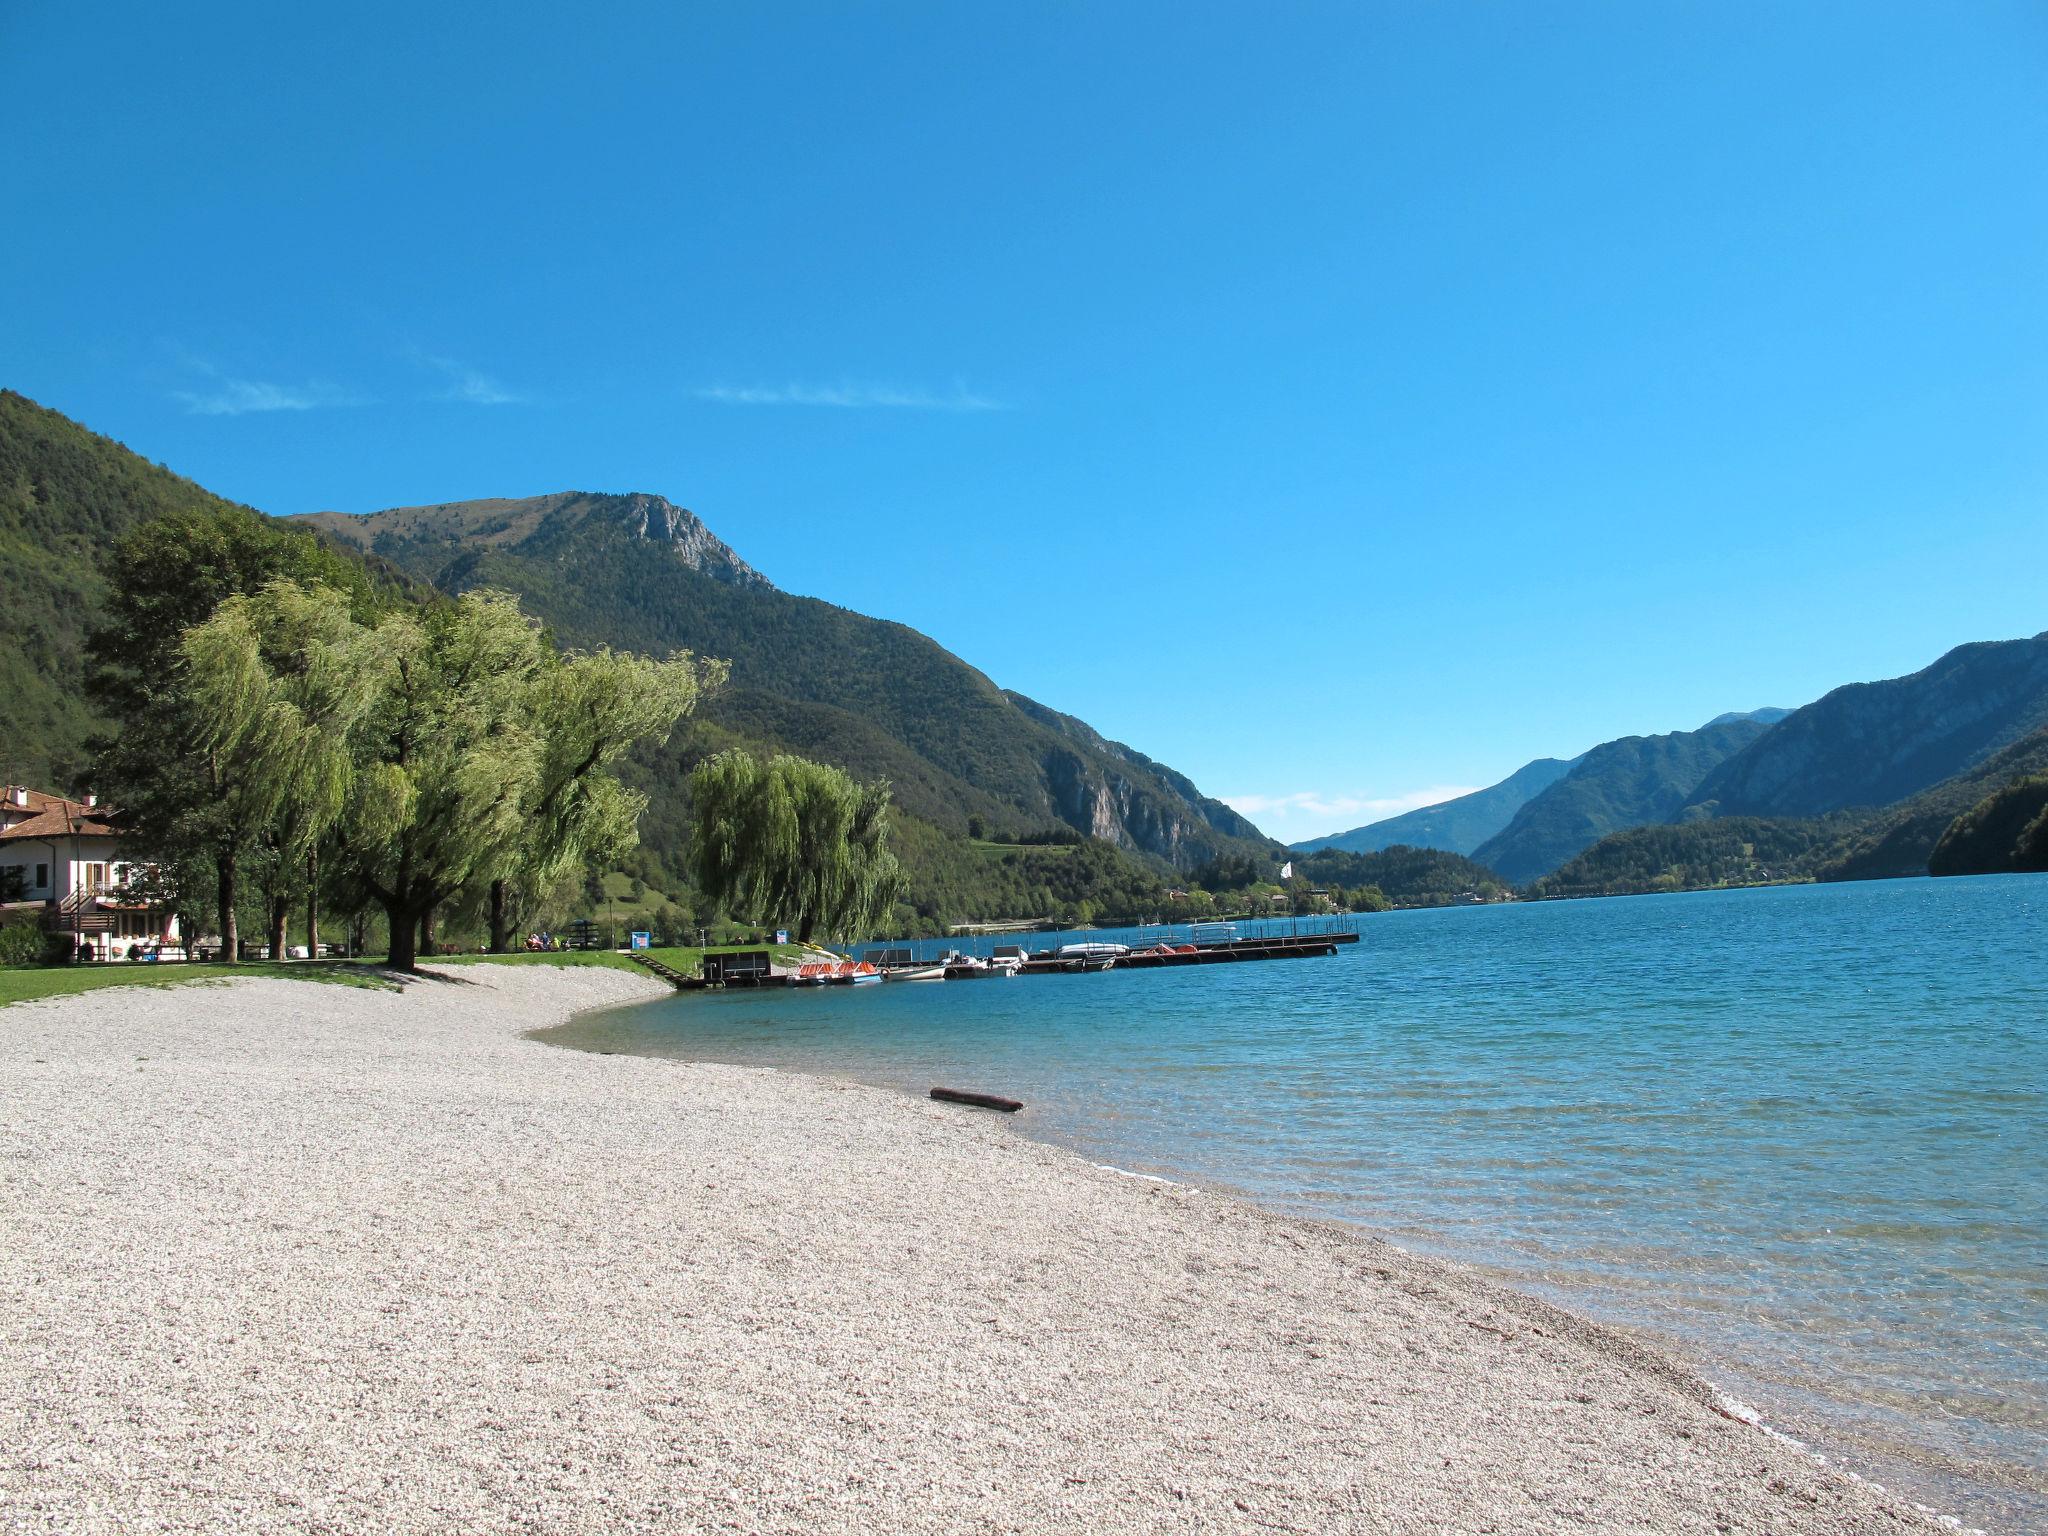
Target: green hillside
{"x":1900,"y":839}
{"x":1697,"y":855}
{"x":1632,"y":782}
{"x":2002,"y":833}
{"x":1969,"y":815}
{"x":1409,"y":877}
{"x":66,"y":495}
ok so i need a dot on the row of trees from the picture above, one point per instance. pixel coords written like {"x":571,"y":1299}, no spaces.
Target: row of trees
{"x":283,"y":714}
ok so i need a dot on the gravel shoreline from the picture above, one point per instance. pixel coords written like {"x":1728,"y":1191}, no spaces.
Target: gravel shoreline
{"x":287,"y":1257}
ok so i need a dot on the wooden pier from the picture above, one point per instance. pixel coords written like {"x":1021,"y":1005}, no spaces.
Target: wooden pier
{"x":1227,"y":952}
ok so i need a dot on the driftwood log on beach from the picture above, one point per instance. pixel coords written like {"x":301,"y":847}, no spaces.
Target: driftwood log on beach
{"x":978,"y":1100}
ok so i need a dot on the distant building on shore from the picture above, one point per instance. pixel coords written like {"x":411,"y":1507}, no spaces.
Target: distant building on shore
{"x":60,"y":860}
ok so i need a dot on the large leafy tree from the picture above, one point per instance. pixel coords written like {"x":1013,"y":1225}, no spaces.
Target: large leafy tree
{"x":793,"y":842}
{"x":587,"y":710}
{"x":285,"y":681}
{"x":185,"y":802}
{"x":445,"y":748}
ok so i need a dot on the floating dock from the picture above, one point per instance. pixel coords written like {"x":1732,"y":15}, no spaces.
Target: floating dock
{"x":758,"y":968}
{"x":1229,"y":951}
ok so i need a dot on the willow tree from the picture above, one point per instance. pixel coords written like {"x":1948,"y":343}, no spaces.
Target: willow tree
{"x":455,"y":747}
{"x":588,"y":710}
{"x":284,"y":682}
{"x":180,"y":800}
{"x":792,"y":842}
{"x":489,"y":756}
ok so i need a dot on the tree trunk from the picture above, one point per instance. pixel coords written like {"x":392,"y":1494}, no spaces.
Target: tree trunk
{"x":359,"y":933}
{"x":427,"y":932}
{"x":313,"y":905}
{"x":230,"y":934}
{"x":501,"y":919}
{"x":803,"y":933}
{"x":405,"y":926}
{"x":280,"y":920}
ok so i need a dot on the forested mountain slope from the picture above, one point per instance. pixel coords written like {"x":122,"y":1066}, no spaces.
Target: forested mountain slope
{"x":66,"y":495}
{"x":877,"y":697}
{"x":1874,"y":744}
{"x":1619,"y":784}
{"x":2004,"y":833}
{"x":1899,"y":839}
{"x":1968,"y":815}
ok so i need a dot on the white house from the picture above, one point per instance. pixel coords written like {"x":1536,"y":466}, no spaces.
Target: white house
{"x":66,"y":858}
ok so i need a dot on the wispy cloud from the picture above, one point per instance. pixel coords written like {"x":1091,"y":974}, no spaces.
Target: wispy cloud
{"x":1311,"y":805}
{"x":223,"y":396}
{"x":852,"y":397}
{"x":470,"y":386}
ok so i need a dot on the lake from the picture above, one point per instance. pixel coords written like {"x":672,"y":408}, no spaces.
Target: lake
{"x":1800,"y":1134}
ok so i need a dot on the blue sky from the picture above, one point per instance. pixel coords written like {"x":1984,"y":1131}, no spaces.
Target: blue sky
{"x":1344,"y":404}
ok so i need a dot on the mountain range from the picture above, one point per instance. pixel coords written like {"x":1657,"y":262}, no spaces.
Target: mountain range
{"x":635,"y":572}
{"x":1862,"y":783}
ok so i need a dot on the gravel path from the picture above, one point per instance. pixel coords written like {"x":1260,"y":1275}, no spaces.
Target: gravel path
{"x":282,"y":1257}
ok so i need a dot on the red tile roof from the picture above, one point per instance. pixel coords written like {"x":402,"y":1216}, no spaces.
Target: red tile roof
{"x":60,"y":818}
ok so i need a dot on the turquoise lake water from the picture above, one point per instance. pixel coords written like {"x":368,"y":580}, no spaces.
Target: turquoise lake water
{"x":1801,"y":1133}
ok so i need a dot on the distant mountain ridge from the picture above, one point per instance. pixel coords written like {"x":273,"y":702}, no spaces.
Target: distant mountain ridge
{"x":1874,"y":744}
{"x":1455,"y":826}
{"x":510,"y":523}
{"x":1761,"y":716}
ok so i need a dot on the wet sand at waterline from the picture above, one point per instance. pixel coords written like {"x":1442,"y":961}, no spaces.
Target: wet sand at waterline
{"x":286,"y":1257}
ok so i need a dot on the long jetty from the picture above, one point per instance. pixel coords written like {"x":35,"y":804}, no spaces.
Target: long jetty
{"x":1222,"y":952}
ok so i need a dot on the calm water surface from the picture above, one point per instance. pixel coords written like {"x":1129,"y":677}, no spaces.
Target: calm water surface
{"x":1802,"y":1132}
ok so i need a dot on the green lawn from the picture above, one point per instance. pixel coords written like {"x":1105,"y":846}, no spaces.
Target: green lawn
{"x":24,"y":983}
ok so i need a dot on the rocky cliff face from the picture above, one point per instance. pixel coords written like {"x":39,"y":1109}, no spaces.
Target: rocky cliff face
{"x":1872,"y":744}
{"x":1111,"y":791}
{"x":411,"y":536}
{"x":663,"y":522}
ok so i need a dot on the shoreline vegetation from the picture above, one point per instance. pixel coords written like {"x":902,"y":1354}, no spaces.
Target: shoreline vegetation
{"x":364,"y":1259}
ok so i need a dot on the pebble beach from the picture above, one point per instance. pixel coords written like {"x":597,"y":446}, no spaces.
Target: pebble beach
{"x":291,"y":1257}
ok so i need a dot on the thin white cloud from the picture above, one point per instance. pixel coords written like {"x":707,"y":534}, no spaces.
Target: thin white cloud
{"x":239,"y":397}
{"x":851,"y":397}
{"x":1318,"y":805}
{"x":469,"y":386}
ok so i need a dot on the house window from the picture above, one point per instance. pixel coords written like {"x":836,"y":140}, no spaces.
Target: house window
{"x":42,"y":876}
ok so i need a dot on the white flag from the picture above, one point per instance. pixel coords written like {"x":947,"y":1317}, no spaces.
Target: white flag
{"x":1287,"y":870}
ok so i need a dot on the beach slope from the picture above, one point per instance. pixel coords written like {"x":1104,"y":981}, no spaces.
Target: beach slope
{"x":290,"y":1258}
